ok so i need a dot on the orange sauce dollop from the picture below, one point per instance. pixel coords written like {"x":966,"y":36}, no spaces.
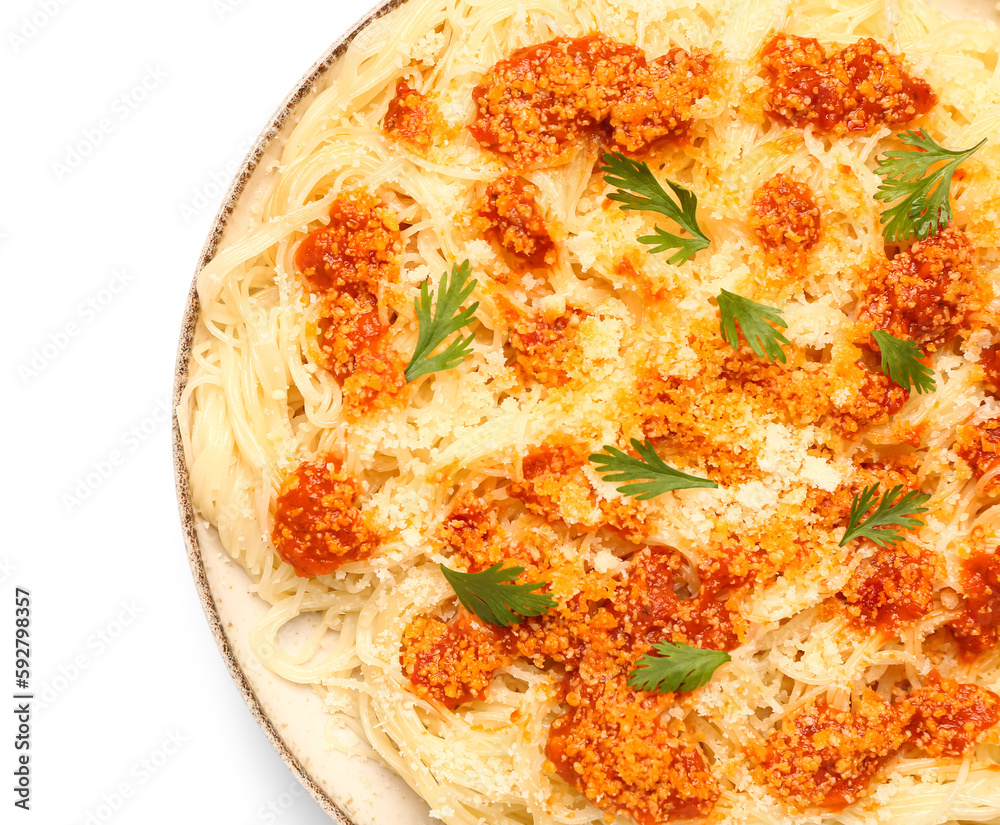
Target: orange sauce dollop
{"x":317,"y":524}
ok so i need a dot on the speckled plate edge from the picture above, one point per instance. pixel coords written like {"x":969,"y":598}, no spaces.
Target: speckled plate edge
{"x":186,"y":509}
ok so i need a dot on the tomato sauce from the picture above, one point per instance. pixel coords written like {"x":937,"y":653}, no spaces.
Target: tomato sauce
{"x":659,"y":103}
{"x":346,"y":265}
{"x":358,"y":248}
{"x":891,"y":589}
{"x":786,"y":219}
{"x":856,"y":89}
{"x":539,"y":103}
{"x":979,"y":445}
{"x":613,"y":743}
{"x":317,"y":524}
{"x":827,"y":757}
{"x":614,"y":747}
{"x":512,"y":219}
{"x":349,"y":325}
{"x":977,"y":629}
{"x":411,"y":117}
{"x":556,"y":488}
{"x":656,"y":612}
{"x":546,"y":347}
{"x":927,"y":293}
{"x":452,"y":663}
{"x":990,"y":360}
{"x":878,"y":399}
{"x":950,"y":718}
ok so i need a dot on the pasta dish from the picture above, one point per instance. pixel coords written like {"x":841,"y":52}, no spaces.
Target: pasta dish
{"x":613,"y":385}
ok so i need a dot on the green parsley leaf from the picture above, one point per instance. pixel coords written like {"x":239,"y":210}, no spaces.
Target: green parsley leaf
{"x":881,"y":527}
{"x":444,"y":321}
{"x":924,"y":195}
{"x":755,"y":320}
{"x":901,"y":362}
{"x":486,"y":595}
{"x":661,"y":478}
{"x":677,"y":668}
{"x":639,"y":190}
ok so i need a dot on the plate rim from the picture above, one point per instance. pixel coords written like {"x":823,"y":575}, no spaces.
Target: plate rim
{"x":185,"y":507}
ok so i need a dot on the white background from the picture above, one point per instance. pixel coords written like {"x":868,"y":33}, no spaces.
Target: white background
{"x":123,"y":123}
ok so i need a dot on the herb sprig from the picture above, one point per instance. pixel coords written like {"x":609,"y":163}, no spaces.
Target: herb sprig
{"x":493,"y":597}
{"x":901,"y":361}
{"x":639,"y":190}
{"x":437,"y":326}
{"x":755,"y":320}
{"x":883,"y":526}
{"x":677,"y":668}
{"x":655,"y":476}
{"x":924,"y":195}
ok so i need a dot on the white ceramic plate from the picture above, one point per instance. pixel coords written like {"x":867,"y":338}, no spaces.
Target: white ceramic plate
{"x":353,"y":791}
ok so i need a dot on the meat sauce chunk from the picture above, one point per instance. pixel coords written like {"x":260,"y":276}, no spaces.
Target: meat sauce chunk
{"x":452,"y":663}
{"x":656,"y":613}
{"x":875,"y":400}
{"x":658,"y":101}
{"x":856,"y":89}
{"x":346,"y":264}
{"x":979,"y":445}
{"x":411,"y":117}
{"x":990,"y":360}
{"x":786,"y":219}
{"x":317,"y":524}
{"x":556,"y":488}
{"x":977,"y":628}
{"x":357,"y":250}
{"x":614,"y":746}
{"x":926,"y":294}
{"x":891,"y":589}
{"x":547,"y":349}
{"x":827,"y":757}
{"x":950,"y":718}
{"x":511,"y":218}
{"x":536,"y":105}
